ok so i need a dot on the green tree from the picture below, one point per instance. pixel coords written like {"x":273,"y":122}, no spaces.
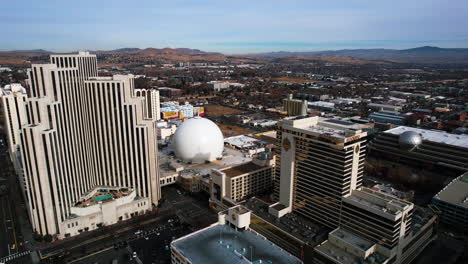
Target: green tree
{"x":48,"y":238}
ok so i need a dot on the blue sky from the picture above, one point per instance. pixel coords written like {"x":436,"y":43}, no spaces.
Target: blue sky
{"x":238,"y":26}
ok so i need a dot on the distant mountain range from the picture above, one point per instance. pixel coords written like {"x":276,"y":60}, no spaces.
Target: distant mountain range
{"x":150,"y":51}
{"x":166,"y":54}
{"x":426,"y":54}
{"x":184,"y":51}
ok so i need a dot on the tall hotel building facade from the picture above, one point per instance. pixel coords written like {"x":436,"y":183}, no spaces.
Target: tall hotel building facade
{"x":89,"y":149}
{"x":13,"y":99}
{"x":319,"y":175}
{"x":321,"y":161}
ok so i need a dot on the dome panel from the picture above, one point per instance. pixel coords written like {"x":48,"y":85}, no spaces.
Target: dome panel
{"x":198,"y":140}
{"x":409,"y":140}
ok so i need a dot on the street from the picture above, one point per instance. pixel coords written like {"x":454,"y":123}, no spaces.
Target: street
{"x":12,"y":244}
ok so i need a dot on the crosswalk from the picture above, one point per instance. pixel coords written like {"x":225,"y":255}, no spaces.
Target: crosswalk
{"x":14,"y":256}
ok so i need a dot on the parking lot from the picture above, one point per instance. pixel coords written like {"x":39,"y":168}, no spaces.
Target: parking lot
{"x":192,"y":209}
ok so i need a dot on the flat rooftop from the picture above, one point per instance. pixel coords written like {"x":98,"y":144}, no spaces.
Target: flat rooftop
{"x":434,"y":136}
{"x":352,"y":239}
{"x":294,"y":225}
{"x":242,"y":141}
{"x":456,"y":192}
{"x":241,"y":169}
{"x":231,"y":158}
{"x":340,"y":130}
{"x":223,"y":244}
{"x":384,"y":203}
{"x":336,"y":253}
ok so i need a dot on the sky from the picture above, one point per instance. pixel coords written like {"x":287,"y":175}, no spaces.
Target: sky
{"x":232,"y":27}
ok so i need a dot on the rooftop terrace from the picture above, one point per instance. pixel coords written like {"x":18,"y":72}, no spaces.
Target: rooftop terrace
{"x":102,"y":194}
{"x":223,"y":244}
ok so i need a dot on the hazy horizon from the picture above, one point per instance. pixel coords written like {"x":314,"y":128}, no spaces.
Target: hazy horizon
{"x":229,"y":53}
{"x":233,"y":27}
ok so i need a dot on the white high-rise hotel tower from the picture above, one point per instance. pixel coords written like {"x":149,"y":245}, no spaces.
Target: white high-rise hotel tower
{"x":89,"y":150}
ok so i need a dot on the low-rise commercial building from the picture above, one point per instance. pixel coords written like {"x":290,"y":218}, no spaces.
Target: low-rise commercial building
{"x":169,"y":92}
{"x":321,"y":105}
{"x":384,"y":107}
{"x":173,"y":110}
{"x":218,"y":85}
{"x":236,"y":183}
{"x":388,"y":117}
{"x":103,"y":206}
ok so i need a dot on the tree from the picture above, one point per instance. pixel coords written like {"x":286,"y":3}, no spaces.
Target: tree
{"x":48,"y":238}
{"x":38,"y":237}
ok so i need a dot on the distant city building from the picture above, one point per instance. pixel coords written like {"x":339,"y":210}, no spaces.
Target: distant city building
{"x":218,"y":85}
{"x":388,"y":117}
{"x":173,"y":110}
{"x":169,"y":92}
{"x":263,"y":123}
{"x":5,"y":69}
{"x":84,"y":132}
{"x":321,"y":105}
{"x":229,"y":241}
{"x":346,"y":101}
{"x":452,"y":201}
{"x":295,"y":107}
{"x":312,"y":96}
{"x":383,"y":107}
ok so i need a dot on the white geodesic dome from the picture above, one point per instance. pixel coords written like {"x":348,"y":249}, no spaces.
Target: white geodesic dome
{"x":198,"y":140}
